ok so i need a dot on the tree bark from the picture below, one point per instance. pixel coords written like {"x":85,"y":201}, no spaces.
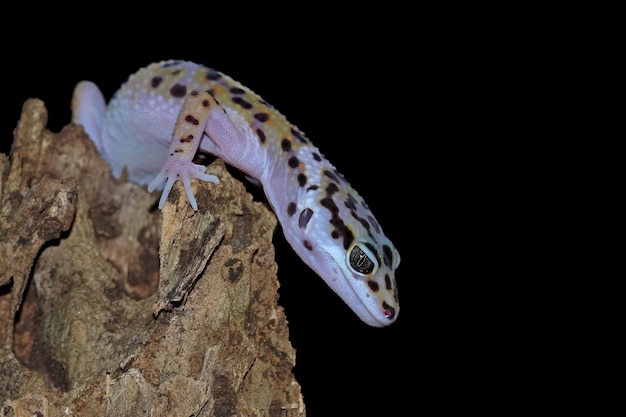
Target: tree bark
{"x":111,"y":307}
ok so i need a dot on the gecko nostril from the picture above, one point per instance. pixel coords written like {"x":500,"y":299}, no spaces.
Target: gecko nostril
{"x":388,"y":311}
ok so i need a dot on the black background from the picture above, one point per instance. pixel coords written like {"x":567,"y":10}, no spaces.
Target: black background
{"x":354,"y":91}
{"x":446,"y":120}
{"x":449,"y":120}
{"x":432,"y":116}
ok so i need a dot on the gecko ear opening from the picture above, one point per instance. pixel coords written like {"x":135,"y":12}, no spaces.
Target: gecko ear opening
{"x":305,"y":217}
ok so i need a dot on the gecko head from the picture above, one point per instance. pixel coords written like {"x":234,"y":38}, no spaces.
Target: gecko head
{"x":369,"y":270}
{"x":364,"y":277}
{"x":352,"y":256}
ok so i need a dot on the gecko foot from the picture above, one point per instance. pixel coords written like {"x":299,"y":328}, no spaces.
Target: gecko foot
{"x":183,"y":170}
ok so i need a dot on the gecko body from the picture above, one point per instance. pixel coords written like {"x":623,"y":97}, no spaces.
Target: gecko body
{"x":166,"y":112}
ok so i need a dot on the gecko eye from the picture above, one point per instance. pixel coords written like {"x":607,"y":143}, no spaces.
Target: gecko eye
{"x":361,"y":260}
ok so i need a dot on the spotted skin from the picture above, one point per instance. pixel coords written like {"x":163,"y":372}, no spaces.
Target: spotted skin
{"x":157,"y":121}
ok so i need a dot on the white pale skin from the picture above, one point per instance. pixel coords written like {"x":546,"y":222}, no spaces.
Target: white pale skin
{"x":167,"y":111}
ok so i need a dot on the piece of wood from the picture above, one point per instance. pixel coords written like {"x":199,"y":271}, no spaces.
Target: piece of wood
{"x":87,"y":327}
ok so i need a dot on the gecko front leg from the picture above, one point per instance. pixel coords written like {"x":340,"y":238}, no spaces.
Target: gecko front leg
{"x":200,"y":110}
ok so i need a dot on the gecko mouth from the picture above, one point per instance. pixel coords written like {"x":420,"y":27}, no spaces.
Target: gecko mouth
{"x":369,"y":311}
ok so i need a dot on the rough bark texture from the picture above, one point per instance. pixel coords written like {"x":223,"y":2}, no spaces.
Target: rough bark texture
{"x":87,"y":327}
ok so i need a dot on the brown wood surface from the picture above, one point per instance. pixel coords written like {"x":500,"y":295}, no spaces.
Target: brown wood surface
{"x":110,"y":307}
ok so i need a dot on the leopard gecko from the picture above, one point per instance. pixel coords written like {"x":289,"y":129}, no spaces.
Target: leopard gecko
{"x":166,"y":112}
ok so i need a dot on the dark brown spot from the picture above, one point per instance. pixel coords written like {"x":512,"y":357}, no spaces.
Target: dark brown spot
{"x":298,"y":135}
{"x":156,"y":81}
{"x":373,"y":222}
{"x":373,"y":285}
{"x":190,"y":119}
{"x":307,"y":245}
{"x":236,"y":90}
{"x":388,"y":285}
{"x":211,"y":92}
{"x":317,"y":157}
{"x":285,"y":144}
{"x":291,"y":209}
{"x":205,"y":103}
{"x":350,"y":202}
{"x":387,"y":255}
{"x":330,"y":175}
{"x":178,"y":90}
{"x":293,"y":162}
{"x":212,"y":75}
{"x":361,"y":220}
{"x":187,"y":139}
{"x":302,"y":180}
{"x":348,"y":236}
{"x":395,"y":294}
{"x":262,"y":117}
{"x":330,"y":205}
{"x":194,"y":93}
{"x":176,"y":72}
{"x":243,"y":103}
{"x":364,"y":204}
{"x":313,"y":188}
{"x":261,"y":135}
{"x":339,"y":227}
{"x":332,"y":188}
